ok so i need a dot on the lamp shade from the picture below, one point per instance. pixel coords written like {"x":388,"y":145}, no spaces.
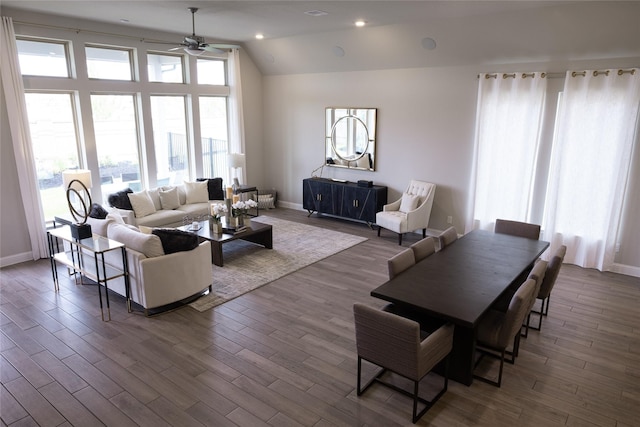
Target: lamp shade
{"x":236,"y":160}
{"x":81,"y":175}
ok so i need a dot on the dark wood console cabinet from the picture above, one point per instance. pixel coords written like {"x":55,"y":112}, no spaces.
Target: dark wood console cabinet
{"x":343,"y":199}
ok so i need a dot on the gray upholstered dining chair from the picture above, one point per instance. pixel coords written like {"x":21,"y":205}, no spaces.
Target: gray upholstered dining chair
{"x":409,"y":213}
{"x":498,"y":330}
{"x":517,"y":228}
{"x":400,"y":262}
{"x":447,"y":237}
{"x":423,"y":248}
{"x":398,"y":345}
{"x":537,"y":273}
{"x":549,"y":280}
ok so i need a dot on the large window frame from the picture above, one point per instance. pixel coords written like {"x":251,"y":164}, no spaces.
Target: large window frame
{"x":79,"y":83}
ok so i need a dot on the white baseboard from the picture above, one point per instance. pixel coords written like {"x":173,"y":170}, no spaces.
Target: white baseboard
{"x":15,"y":259}
{"x":628,"y":270}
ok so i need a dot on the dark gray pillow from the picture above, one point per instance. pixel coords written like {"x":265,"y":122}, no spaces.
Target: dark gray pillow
{"x":98,"y":211}
{"x":176,"y":240}
{"x":121,"y":200}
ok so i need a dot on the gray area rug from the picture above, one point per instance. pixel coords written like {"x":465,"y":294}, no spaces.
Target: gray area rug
{"x":248,"y":266}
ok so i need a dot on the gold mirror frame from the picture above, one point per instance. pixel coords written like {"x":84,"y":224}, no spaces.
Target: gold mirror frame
{"x":350,"y":137}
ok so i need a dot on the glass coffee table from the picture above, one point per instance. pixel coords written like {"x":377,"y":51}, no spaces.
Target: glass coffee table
{"x":257,"y":232}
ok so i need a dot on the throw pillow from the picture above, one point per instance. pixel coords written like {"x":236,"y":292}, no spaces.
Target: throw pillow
{"x":99,"y":226}
{"x":155,"y":198}
{"x":197,"y":192}
{"x":120,"y":200}
{"x":409,"y":202}
{"x":214,"y":187}
{"x":142,"y":204}
{"x":174,"y":240}
{"x":148,"y":244}
{"x":169,"y":198}
{"x":97,"y":211}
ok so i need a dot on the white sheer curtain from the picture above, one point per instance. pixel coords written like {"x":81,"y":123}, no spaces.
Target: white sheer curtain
{"x":19,"y":125}
{"x":236,"y":115}
{"x":508,"y":124}
{"x":590,"y":161}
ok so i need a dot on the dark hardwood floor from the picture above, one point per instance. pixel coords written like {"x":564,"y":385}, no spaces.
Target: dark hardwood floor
{"x":284,"y":354}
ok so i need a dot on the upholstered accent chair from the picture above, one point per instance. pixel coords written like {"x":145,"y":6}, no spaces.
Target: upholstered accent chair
{"x":398,"y":345}
{"x":517,"y":228}
{"x":400,"y":262}
{"x":423,"y":248}
{"x":498,"y":330}
{"x":447,"y":237}
{"x":549,"y":280}
{"x":409,"y":213}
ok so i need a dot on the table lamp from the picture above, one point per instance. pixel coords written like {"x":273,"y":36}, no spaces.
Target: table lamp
{"x":77,"y":182}
{"x":236,"y":160}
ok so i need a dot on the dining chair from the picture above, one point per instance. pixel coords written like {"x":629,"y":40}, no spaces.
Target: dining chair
{"x":517,"y":228}
{"x":549,"y":280}
{"x":423,"y":248}
{"x":498,"y":330}
{"x":537,"y":273}
{"x":409,"y":213}
{"x":447,"y":237}
{"x":400,"y":262}
{"x":397,"y":344}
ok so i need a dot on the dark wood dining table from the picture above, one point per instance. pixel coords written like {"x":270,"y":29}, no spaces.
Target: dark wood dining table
{"x":460,"y":283}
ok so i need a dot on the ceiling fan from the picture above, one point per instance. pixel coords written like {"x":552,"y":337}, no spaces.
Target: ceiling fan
{"x":195,"y":45}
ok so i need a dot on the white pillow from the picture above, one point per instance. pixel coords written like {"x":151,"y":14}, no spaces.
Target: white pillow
{"x":409,"y":202}
{"x":155,"y":197}
{"x":197,"y":192}
{"x":148,"y":244}
{"x":169,"y":198}
{"x":141,"y":203}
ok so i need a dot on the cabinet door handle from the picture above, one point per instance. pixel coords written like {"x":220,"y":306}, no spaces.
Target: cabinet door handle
{"x":355,"y":203}
{"x":319,"y":197}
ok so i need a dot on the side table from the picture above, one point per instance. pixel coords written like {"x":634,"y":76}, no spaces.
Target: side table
{"x":79,"y":256}
{"x":243,"y":189}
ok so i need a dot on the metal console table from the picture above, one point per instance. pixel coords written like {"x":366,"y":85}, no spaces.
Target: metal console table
{"x":86,"y":258}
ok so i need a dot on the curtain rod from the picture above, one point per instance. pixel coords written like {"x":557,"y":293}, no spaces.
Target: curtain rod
{"x":80,"y":30}
{"x":556,"y":75}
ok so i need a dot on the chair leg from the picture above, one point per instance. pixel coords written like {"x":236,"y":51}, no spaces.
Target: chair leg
{"x":540,"y":314}
{"x":400,"y":239}
{"x":424,"y":233}
{"x":379,"y":228}
{"x":487,"y":380}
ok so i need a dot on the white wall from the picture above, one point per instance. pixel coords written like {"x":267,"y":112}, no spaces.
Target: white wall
{"x":425,"y":130}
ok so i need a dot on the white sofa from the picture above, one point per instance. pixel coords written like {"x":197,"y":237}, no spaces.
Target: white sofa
{"x":164,"y":210}
{"x":155,"y":279}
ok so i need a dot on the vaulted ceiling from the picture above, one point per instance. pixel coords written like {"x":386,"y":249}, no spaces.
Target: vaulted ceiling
{"x":397,"y":34}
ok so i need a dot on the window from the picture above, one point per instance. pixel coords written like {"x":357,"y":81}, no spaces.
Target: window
{"x":213,"y":128}
{"x":109,"y":63}
{"x":40,"y":58}
{"x":55,"y":146}
{"x":170,"y":139}
{"x":165,"y":68}
{"x":211,"y":72}
{"x":116,"y":135}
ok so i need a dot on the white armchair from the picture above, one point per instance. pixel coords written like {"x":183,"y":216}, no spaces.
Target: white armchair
{"x":409,"y":213}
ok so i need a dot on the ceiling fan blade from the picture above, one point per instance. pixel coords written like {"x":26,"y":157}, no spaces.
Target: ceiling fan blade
{"x":210,"y":48}
{"x":225,"y":46}
{"x":189,"y":40}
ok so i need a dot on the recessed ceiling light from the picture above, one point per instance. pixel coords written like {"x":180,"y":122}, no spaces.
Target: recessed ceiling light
{"x":259,"y":36}
{"x":360,"y":23}
{"x":316,"y":13}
